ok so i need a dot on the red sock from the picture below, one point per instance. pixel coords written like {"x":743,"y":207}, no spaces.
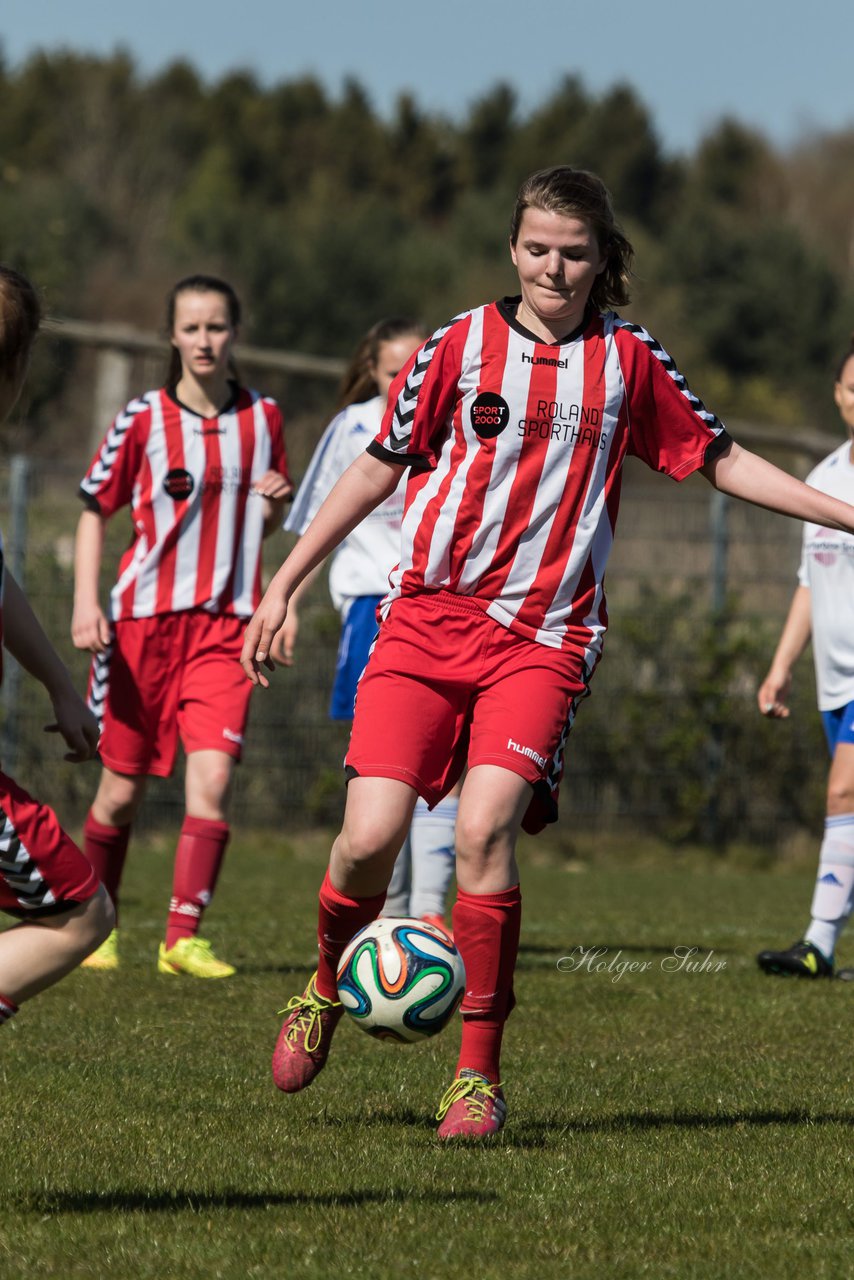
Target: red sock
{"x":106,"y":849}
{"x":8,"y":1009}
{"x":198,"y":858}
{"x":486,"y":931}
{"x":339,"y":918}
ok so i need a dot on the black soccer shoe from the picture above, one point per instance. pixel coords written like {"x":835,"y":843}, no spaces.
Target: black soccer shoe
{"x":802,"y":960}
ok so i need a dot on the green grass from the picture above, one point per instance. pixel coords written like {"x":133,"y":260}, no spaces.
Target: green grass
{"x":663,"y":1124}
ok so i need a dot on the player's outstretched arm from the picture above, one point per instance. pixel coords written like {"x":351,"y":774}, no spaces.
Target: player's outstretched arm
{"x":773,"y":694}
{"x":362,"y":487}
{"x":89,"y":626}
{"x":26,"y":641}
{"x":743,"y":474}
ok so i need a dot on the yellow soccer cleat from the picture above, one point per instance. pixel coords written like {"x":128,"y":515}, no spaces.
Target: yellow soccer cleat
{"x":105,"y":957}
{"x":194,"y":957}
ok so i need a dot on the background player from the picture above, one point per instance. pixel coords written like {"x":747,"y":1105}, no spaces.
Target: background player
{"x":514,"y":420}
{"x":823,"y":608}
{"x":358,"y":580}
{"x":44,"y":879}
{"x":201,"y":463}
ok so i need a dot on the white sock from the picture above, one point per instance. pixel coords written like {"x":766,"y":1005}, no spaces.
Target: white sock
{"x":433,"y":856}
{"x":397,"y":897}
{"x":833,"y":896}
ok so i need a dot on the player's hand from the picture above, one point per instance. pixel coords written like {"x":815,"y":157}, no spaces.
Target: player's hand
{"x":90,"y":628}
{"x":773,"y":695}
{"x":273,"y":485}
{"x":284,"y":641}
{"x":258,"y":639}
{"x":77,"y":725}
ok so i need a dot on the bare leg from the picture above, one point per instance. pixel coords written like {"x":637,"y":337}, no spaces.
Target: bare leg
{"x":37,"y":953}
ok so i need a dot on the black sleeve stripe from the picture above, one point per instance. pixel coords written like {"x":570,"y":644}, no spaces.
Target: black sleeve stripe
{"x":89,"y":501}
{"x":710,"y":419}
{"x":99,"y":472}
{"x":717,"y":446}
{"x":414,"y":460}
{"x":404,"y":411}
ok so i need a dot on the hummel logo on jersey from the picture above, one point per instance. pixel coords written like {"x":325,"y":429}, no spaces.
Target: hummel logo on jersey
{"x":527,"y":751}
{"x":178,"y":483}
{"x":830,"y":878}
{"x":490,"y":414}
{"x":555,"y":364}
{"x":209,"y":431}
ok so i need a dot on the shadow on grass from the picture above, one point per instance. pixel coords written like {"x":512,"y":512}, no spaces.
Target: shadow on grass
{"x":187,"y":1200}
{"x":538,"y":1133}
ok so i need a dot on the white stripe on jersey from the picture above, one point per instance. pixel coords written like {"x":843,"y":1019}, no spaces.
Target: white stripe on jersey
{"x":249,"y":550}
{"x":189,"y":544}
{"x":145,"y":592}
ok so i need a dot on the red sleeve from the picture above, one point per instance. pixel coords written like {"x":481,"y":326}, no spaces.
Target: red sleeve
{"x":422,"y":399}
{"x":109,"y":483}
{"x":670,"y":429}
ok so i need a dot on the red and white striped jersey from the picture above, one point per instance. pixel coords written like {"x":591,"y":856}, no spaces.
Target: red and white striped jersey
{"x":198,"y":524}
{"x":516,"y":448}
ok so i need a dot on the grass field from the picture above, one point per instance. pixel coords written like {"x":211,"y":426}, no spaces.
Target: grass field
{"x":663,"y":1123}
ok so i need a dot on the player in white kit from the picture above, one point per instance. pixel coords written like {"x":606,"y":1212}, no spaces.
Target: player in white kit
{"x":822,"y":609}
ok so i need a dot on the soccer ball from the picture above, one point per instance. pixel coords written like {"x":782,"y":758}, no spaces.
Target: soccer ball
{"x":401,"y":979}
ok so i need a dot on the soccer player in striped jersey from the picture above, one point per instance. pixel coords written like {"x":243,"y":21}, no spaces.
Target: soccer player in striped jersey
{"x":201,"y":464}
{"x":358,"y":580}
{"x":63,"y":912}
{"x":513,"y":421}
{"x":822,"y":609}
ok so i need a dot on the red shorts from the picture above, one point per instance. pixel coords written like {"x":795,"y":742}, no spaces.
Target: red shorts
{"x":41,"y":869}
{"x":170,"y":675}
{"x":446,"y":685}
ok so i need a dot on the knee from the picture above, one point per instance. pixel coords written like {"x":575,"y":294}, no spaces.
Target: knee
{"x":93,"y":922}
{"x":102,"y":916}
{"x":480,"y":842}
{"x":358,"y":847}
{"x":840,"y":796}
{"x":118,"y":800}
{"x":207,"y":794}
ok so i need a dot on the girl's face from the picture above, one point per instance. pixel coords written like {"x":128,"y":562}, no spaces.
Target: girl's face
{"x":843,"y":394}
{"x":391,"y":357}
{"x":202,"y":333}
{"x":558,"y":259}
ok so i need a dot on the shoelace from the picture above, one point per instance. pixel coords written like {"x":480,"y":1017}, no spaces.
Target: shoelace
{"x":307,"y":1022}
{"x":477,"y":1092}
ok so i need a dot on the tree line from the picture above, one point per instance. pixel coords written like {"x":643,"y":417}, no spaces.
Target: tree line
{"x":327,"y":215}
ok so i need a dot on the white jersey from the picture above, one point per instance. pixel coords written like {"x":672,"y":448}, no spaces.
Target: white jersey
{"x":827,"y":568}
{"x":362,"y":563}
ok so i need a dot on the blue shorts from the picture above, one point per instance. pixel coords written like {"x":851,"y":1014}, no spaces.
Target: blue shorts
{"x":357,"y":636}
{"x":838,"y":725}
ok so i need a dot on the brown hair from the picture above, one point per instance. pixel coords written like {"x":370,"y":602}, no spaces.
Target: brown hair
{"x":578,"y":193}
{"x":358,"y":383}
{"x":198,"y":284}
{"x":840,"y":368}
{"x":20,"y":317}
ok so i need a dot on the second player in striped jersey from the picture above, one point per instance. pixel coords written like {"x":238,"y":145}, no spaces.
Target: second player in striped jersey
{"x":201,"y":464}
